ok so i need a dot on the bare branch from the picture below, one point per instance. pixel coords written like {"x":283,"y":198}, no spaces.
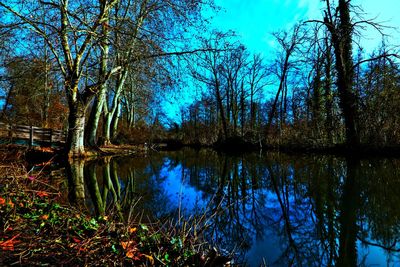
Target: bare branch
{"x":181,"y":53}
{"x":38,"y":30}
{"x":385,"y":55}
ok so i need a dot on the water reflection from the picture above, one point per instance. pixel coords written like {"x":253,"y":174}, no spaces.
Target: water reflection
{"x":274,"y":209}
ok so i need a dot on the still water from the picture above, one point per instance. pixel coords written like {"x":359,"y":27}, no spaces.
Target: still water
{"x":271,"y":209}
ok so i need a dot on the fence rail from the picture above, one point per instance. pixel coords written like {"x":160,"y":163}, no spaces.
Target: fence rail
{"x":32,"y":134}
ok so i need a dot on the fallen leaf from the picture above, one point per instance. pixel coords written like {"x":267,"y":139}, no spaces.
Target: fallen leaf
{"x":10,"y":204}
{"x":133,"y":254}
{"x":126,"y":245}
{"x":9,"y":244}
{"x":76,"y":240}
{"x":130,"y":254}
{"x":31,"y":178}
{"x":44,"y":217}
{"x":80,"y":249}
{"x":149,"y":258}
{"x":42,"y":194}
{"x":2,"y":201}
{"x":131,"y":250}
{"x":132,"y":230}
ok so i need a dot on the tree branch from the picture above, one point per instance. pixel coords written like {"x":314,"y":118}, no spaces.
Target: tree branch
{"x":375,"y":58}
{"x":181,"y":53}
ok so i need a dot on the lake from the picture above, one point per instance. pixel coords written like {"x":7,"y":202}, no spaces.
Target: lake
{"x":272,"y":208}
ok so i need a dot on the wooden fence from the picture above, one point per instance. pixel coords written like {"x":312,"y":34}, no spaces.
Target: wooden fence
{"x":32,"y":135}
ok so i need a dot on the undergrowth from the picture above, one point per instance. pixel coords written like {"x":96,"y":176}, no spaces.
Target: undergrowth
{"x":38,"y":227}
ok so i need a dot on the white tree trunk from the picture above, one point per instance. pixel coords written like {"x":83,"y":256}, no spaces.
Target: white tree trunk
{"x":76,"y":124}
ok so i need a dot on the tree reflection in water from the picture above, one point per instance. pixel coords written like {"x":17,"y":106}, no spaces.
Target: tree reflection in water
{"x":278,"y":209}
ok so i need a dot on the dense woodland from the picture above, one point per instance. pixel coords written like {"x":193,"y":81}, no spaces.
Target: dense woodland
{"x":101,"y":68}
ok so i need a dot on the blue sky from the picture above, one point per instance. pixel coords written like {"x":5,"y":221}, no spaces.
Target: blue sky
{"x":255,"y":20}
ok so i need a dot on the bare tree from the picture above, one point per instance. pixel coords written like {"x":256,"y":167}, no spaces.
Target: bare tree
{"x":289,"y":43}
{"x":141,"y":31}
{"x":233,"y":70}
{"x":209,"y":71}
{"x":256,"y":79}
{"x":70,"y":33}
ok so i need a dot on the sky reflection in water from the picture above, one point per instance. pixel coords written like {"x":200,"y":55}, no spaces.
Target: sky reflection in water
{"x":287,"y":210}
{"x":180,"y":193}
{"x":270,"y":245}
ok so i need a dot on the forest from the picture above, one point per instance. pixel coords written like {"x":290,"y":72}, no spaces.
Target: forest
{"x":102,"y":70}
{"x":137,"y":106}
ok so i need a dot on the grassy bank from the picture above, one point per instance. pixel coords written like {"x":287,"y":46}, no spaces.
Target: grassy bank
{"x":38,"y":226}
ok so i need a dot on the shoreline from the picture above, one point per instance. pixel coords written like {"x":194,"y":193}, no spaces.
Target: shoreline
{"x":39,"y":225}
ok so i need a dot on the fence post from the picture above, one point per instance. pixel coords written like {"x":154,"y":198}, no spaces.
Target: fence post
{"x":31,"y":136}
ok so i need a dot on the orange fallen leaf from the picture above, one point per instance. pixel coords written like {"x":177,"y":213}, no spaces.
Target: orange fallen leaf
{"x":44,"y":217}
{"x":10,"y":203}
{"x":126,"y":245}
{"x":9,"y":244}
{"x":133,"y":254}
{"x":131,"y":250}
{"x":132,"y":230}
{"x":42,"y":194}
{"x":129,"y":254}
{"x":2,"y":201}
{"x":81,"y":249}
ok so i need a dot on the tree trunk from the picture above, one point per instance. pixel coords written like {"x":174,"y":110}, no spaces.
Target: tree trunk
{"x":280,"y":88}
{"x":110,"y":113}
{"x":47,"y":92}
{"x":328,"y":94}
{"x":221,"y":109}
{"x":114,"y":122}
{"x":106,"y":129}
{"x":76,"y":128}
{"x":97,"y":108}
{"x":94,"y":118}
{"x":316,"y":97}
{"x":342,"y":43}
{"x":252,"y":109}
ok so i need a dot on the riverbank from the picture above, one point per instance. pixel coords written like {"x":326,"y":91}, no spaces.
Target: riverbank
{"x":238,"y":145}
{"x":39,"y":226}
{"x":13,"y":153}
